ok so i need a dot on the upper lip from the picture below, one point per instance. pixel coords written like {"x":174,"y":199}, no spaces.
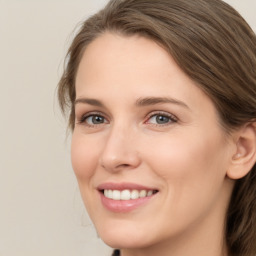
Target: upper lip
{"x":122,"y":186}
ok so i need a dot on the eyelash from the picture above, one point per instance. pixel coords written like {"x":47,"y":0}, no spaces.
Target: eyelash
{"x":82,"y":120}
{"x":172,"y":119}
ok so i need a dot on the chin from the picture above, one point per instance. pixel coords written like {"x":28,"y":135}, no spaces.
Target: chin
{"x":123,"y":238}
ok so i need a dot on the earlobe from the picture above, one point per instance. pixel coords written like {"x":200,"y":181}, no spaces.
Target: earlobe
{"x":245,"y":156}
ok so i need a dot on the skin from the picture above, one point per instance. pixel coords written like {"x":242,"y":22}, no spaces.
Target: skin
{"x":186,"y":158}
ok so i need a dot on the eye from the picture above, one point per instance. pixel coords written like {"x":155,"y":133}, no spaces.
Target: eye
{"x":161,"y":119}
{"x":93,"y":119}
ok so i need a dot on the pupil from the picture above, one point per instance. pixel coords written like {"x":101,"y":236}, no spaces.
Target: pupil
{"x":97,"y":120}
{"x":162,"y":119}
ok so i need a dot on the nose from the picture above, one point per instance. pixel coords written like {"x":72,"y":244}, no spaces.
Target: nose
{"x":119,"y":152}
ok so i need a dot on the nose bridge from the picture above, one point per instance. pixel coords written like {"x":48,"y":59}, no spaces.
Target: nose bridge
{"x":120,"y":151}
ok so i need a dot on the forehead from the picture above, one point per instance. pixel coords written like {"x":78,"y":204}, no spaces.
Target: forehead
{"x":112,"y":51}
{"x":116,"y":59}
{"x":132,"y":66}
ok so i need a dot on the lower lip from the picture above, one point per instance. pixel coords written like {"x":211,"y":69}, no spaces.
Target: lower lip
{"x":122,"y":206}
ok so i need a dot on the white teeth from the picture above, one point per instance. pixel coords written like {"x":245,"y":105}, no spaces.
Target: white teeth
{"x":143,"y":193}
{"x":150,"y":193}
{"x":134,"y":194}
{"x":116,"y":195}
{"x":127,"y":194}
{"x":110,"y":194}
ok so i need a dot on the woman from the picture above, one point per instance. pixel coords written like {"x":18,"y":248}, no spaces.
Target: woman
{"x":162,"y":101}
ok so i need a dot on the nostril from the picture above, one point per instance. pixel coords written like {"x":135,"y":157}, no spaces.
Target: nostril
{"x":124,"y":165}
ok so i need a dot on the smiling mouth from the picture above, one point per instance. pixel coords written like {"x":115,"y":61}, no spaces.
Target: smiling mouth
{"x":126,"y":194}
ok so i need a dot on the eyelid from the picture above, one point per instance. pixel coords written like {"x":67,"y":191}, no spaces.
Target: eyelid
{"x":82,"y":119}
{"x":172,"y":117}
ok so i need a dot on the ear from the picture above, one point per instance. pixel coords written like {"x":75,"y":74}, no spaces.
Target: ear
{"x":244,"y":157}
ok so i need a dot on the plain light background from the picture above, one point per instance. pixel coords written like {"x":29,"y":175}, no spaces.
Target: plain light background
{"x":41,"y":212}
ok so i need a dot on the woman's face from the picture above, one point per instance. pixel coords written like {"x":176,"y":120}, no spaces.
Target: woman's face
{"x":150,"y":140}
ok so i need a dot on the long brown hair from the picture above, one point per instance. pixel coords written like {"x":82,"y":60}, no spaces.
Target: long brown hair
{"x":216,"y":48}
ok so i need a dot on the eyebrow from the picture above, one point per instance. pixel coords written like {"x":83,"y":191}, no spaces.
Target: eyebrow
{"x":159,"y":100}
{"x":147,"y":101}
{"x":92,"y":102}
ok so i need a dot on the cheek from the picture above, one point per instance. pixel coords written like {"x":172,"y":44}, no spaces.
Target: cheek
{"x":84,"y":157}
{"x":193,"y":171}
{"x":190,"y":152}
{"x":190,"y":163}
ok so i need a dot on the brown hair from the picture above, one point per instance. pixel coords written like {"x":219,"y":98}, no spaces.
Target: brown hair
{"x":216,"y":48}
